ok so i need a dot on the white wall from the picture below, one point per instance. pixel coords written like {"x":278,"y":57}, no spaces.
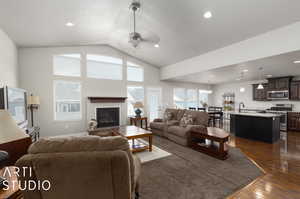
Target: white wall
{"x":36,"y":77}
{"x":275,"y":42}
{"x":246,"y":97}
{"x":8,"y":61}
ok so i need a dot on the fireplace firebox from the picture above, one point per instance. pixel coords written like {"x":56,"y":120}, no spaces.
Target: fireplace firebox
{"x":107,"y":117}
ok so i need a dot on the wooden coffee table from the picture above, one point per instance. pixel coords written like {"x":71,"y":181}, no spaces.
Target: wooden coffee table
{"x":134,"y":135}
{"x":218,"y":150}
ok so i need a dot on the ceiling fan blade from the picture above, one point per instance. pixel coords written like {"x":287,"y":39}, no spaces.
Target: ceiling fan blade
{"x":150,"y":38}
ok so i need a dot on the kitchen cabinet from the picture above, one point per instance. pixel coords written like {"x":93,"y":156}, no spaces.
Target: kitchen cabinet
{"x":260,"y":94}
{"x":295,"y":90}
{"x":282,"y":83}
{"x":294,"y":121}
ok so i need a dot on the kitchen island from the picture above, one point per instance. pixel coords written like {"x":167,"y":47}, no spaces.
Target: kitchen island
{"x":256,"y":126}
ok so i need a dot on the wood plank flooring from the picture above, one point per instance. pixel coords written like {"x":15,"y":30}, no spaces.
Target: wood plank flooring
{"x":280,"y":162}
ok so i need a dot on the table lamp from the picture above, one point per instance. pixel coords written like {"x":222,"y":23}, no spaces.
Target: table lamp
{"x":33,"y":102}
{"x":12,"y":138}
{"x":138,"y":106}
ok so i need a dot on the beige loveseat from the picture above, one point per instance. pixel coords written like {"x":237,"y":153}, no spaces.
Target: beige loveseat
{"x":172,"y":128}
{"x":82,"y":167}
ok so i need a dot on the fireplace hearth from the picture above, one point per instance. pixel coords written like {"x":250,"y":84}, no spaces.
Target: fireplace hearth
{"x":107,"y":117}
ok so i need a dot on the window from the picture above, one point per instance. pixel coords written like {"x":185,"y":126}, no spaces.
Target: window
{"x":67,"y":65}
{"x":203,"y":98}
{"x":179,"y":97}
{"x":134,"y":94}
{"x":134,"y":72}
{"x":67,"y":97}
{"x":103,"y":67}
{"x":192,"y":98}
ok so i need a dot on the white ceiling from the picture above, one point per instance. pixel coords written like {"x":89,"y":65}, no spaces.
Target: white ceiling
{"x":277,"y":66}
{"x":183,"y":31}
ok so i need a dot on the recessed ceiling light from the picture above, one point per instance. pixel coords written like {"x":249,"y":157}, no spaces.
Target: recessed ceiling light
{"x":269,"y":75}
{"x":245,"y":70}
{"x":297,"y":62}
{"x":207,"y":15}
{"x":70,"y":24}
{"x":156,"y":45}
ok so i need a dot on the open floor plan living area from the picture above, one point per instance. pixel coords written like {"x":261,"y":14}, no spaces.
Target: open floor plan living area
{"x":149,"y":99}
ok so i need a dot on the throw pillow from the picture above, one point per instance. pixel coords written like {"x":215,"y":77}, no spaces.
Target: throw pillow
{"x":187,"y":119}
{"x":168,"y":116}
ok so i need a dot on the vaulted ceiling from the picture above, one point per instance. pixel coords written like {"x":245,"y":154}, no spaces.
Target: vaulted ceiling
{"x":183,"y":31}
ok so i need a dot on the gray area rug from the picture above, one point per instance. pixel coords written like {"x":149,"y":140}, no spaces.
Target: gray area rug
{"x":188,"y":174}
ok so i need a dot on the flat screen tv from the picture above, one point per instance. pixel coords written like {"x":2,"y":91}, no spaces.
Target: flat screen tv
{"x":15,"y":101}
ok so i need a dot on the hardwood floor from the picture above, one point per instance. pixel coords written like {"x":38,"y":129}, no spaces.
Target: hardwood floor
{"x":281,"y":164}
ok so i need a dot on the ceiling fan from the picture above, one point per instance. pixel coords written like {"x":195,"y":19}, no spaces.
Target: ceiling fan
{"x":136,"y":38}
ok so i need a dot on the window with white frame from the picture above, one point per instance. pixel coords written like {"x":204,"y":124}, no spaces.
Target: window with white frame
{"x":104,"y":67}
{"x":67,"y":100}
{"x":203,"y":98}
{"x":134,"y":94}
{"x":191,"y":98}
{"x":67,"y":65}
{"x":179,"y":98}
{"x":135,"y":72}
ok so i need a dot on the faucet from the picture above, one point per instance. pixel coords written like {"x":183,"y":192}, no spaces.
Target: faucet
{"x":241,"y":104}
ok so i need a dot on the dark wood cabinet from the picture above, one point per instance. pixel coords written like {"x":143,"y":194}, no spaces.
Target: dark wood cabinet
{"x":295,"y":90}
{"x":260,"y":94}
{"x":282,"y":83}
{"x":294,"y":121}
{"x":272,"y":84}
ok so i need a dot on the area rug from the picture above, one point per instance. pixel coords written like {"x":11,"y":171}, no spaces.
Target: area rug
{"x":188,"y":174}
{"x":155,"y":154}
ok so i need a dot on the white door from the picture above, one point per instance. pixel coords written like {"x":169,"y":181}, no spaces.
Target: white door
{"x":153,"y":103}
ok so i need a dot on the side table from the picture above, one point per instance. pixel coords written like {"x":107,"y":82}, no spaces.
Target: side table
{"x":135,"y":120}
{"x":11,"y":193}
{"x":219,"y":150}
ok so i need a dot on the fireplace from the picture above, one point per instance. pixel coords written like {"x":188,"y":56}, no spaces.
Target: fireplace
{"x":107,"y":117}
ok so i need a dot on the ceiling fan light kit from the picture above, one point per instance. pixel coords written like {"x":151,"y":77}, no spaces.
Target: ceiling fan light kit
{"x":136,"y":38}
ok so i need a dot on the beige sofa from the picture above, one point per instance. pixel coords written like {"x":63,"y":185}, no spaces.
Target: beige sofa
{"x":172,"y":129}
{"x":82,"y":168}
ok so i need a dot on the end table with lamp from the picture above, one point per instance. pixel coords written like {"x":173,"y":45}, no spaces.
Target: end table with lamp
{"x":133,"y":120}
{"x":8,"y":190}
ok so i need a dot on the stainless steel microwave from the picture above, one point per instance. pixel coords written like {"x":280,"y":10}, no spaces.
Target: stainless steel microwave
{"x":278,"y":95}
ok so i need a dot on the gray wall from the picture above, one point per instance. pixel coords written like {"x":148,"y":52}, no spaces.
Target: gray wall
{"x":8,"y":61}
{"x":36,"y":76}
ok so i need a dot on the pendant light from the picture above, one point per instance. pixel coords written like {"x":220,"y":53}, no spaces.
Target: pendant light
{"x":260,"y":86}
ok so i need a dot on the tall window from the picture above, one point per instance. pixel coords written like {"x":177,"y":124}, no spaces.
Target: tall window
{"x":191,"y":98}
{"x":67,"y":97}
{"x":67,"y":65}
{"x":203,"y":97}
{"x":103,"y":67}
{"x":134,"y":94}
{"x":134,"y":72}
{"x":179,"y":97}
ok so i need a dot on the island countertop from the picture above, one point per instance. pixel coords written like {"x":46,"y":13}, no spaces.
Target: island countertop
{"x":270,"y":115}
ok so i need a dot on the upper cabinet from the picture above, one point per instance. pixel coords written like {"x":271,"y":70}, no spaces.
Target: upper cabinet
{"x":295,"y":90}
{"x":260,"y":94}
{"x":279,"y":83}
